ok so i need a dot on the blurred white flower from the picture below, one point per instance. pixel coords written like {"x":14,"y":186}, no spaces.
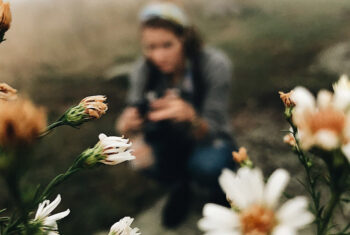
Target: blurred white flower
{"x":346,"y":151}
{"x":254,"y":206}
{"x":122,"y":227}
{"x":115,"y":149}
{"x":49,"y":223}
{"x":320,"y":123}
{"x":342,"y":92}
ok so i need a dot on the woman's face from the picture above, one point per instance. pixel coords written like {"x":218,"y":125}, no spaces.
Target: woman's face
{"x":163,"y":48}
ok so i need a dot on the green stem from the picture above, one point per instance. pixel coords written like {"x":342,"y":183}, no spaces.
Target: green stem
{"x":75,"y":167}
{"x":12,"y":184}
{"x":312,"y":188}
{"x":55,"y":182}
{"x":329,"y":212}
{"x":310,"y":181}
{"x":52,"y":126}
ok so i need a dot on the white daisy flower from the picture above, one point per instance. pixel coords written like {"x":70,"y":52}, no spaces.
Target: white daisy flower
{"x":122,"y":227}
{"x":320,"y":122}
{"x":49,"y":222}
{"x":115,"y":149}
{"x":254,"y":206}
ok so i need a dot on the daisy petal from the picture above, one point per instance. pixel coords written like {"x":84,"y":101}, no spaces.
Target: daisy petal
{"x":326,"y":139}
{"x":279,"y":230}
{"x":50,"y":207}
{"x":217,"y":217}
{"x":233,"y":188}
{"x":294,"y":213}
{"x":275,"y":187}
{"x":346,"y":151}
{"x":223,"y":232}
{"x":303,"y":98}
{"x":59,"y":216}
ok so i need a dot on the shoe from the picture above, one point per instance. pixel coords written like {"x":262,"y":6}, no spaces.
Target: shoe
{"x":176,"y":208}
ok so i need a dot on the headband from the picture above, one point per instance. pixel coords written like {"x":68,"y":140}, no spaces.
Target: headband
{"x":166,"y":11}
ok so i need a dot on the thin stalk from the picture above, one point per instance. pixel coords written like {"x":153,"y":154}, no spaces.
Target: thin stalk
{"x":310,"y":181}
{"x":13,"y":188}
{"x":57,"y":181}
{"x":329,"y":212}
{"x":51,"y":127}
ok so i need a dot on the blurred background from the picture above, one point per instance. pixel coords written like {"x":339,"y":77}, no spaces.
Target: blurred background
{"x":59,"y":51}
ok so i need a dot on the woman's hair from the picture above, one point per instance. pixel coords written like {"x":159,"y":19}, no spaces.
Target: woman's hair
{"x":192,"y":49}
{"x":192,"y":40}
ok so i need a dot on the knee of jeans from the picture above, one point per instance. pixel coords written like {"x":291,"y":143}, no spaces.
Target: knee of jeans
{"x":205,"y":173}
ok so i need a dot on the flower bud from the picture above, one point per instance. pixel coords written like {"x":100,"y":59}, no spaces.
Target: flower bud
{"x":286,"y":98}
{"x":110,"y":150}
{"x":122,"y":227}
{"x":289,"y":139}
{"x":92,"y":107}
{"x":242,"y":157}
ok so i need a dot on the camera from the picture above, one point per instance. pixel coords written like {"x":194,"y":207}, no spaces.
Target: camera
{"x":143,"y":106}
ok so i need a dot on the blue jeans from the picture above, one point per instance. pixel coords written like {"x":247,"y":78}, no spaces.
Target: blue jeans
{"x":198,"y":162}
{"x":207,"y":161}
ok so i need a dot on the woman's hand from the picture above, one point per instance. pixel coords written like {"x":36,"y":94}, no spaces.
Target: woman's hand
{"x":129,"y":120}
{"x":171,"y":106}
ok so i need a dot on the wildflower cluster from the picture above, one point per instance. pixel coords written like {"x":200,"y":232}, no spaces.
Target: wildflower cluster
{"x":21,"y":123}
{"x":320,"y":128}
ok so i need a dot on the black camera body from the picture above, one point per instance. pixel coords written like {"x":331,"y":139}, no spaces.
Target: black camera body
{"x":143,"y":107}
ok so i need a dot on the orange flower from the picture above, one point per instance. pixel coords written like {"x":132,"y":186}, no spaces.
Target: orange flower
{"x":7,"y":93}
{"x":5,"y":17}
{"x":285,"y":97}
{"x":20,"y":122}
{"x":241,"y":155}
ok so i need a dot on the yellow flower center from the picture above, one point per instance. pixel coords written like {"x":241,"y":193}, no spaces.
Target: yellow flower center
{"x":257,"y":220}
{"x":329,"y":119}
